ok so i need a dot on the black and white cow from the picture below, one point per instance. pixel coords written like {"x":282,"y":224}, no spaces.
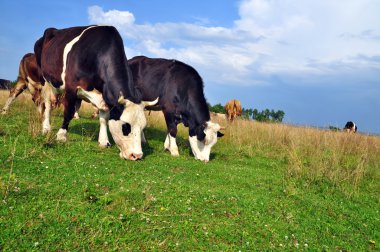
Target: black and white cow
{"x":350,"y":127}
{"x":92,"y":59}
{"x":181,"y":98}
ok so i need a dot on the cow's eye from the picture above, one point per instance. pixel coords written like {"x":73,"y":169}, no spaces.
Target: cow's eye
{"x":126,"y":129}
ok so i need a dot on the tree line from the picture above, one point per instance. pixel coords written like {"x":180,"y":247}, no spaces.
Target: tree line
{"x":265,"y":115}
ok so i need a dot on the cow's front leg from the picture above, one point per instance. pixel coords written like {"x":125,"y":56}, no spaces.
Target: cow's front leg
{"x":170,"y":141}
{"x":69,"y":110}
{"x":103,"y":136}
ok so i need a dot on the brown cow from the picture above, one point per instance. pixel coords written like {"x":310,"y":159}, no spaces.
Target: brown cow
{"x":30,"y":77}
{"x":233,"y":109}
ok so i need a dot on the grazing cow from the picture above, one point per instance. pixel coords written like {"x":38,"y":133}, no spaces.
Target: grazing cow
{"x":89,"y":63}
{"x":30,"y":77}
{"x":233,"y":109}
{"x":181,"y":98}
{"x":5,"y":84}
{"x":350,"y":127}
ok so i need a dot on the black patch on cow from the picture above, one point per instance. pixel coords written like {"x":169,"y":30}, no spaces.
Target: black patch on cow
{"x":199,"y":131}
{"x":219,"y":134}
{"x":126,"y":128}
{"x":349,"y":125}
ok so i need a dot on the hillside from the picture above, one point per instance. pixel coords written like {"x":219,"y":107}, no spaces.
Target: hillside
{"x":266,"y":187}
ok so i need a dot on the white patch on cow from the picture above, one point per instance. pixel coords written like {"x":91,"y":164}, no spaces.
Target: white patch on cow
{"x":66,"y":51}
{"x":171,"y":145}
{"x":201,"y":150}
{"x":62,"y":135}
{"x":94,"y":97}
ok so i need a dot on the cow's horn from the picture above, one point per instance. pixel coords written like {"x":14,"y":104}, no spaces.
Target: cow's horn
{"x":150,"y":103}
{"x":121,"y":98}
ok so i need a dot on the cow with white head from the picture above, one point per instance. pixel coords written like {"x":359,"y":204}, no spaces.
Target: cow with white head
{"x":90,"y":60}
{"x":181,"y":98}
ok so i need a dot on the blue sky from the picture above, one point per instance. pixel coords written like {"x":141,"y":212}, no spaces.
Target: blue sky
{"x":319,"y":61}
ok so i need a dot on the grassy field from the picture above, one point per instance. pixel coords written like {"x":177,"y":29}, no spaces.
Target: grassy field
{"x":266,"y":187}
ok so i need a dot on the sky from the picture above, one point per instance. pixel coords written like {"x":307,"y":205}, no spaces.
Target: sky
{"x":318,"y":61}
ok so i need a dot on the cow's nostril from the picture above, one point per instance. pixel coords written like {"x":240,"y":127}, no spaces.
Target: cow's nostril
{"x":132,"y":157}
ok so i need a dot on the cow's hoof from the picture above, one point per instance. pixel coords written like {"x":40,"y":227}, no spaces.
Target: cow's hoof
{"x":174,"y":153}
{"x":62,"y":135}
{"x":76,"y":115}
{"x":104,"y":145}
{"x":45,"y":131}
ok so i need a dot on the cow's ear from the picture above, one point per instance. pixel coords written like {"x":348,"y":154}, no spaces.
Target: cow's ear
{"x":219,"y":134}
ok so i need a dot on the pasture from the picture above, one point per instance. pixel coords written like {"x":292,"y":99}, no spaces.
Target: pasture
{"x":266,"y":187}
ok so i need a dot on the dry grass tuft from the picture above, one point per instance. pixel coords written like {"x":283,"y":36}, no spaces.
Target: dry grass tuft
{"x":312,"y":153}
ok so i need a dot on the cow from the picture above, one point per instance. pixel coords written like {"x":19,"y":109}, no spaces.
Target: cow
{"x":179,"y":88}
{"x":30,"y":77}
{"x":350,"y":127}
{"x":89,"y":62}
{"x":233,"y":109}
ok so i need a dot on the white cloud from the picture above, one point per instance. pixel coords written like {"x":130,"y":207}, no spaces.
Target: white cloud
{"x":271,"y":37}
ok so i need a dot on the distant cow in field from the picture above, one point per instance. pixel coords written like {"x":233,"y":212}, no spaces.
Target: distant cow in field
{"x":233,"y":109}
{"x":89,"y":63}
{"x":181,"y":98}
{"x":5,"y":84}
{"x":350,"y":127}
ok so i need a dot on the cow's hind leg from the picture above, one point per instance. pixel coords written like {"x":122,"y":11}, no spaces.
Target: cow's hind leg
{"x":16,"y":91}
{"x":77,"y":107}
{"x":170,"y":141}
{"x":46,"y":107}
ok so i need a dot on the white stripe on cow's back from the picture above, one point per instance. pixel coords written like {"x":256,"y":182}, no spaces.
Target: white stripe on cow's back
{"x":66,"y":51}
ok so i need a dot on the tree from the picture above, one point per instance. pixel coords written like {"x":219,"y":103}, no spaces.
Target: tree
{"x":217,"y":108}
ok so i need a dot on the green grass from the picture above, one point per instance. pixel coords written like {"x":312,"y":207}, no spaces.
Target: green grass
{"x":76,"y":196}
